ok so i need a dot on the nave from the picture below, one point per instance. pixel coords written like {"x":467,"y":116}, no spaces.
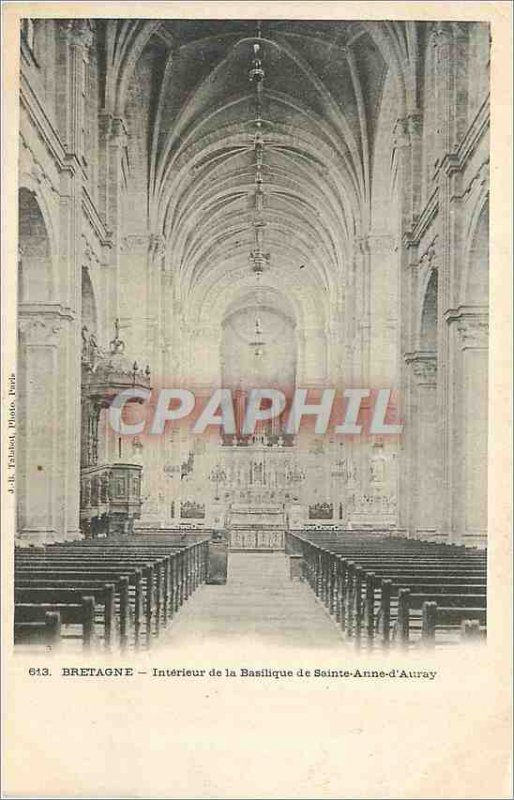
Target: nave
{"x":372,"y":591}
{"x":240,"y":204}
{"x":259,"y":603}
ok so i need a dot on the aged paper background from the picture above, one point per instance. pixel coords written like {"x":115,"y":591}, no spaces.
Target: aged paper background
{"x":297,"y":738}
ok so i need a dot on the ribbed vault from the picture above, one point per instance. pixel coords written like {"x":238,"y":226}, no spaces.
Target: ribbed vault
{"x":316,"y":108}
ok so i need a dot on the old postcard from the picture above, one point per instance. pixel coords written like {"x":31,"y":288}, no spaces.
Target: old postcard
{"x":256,"y":400}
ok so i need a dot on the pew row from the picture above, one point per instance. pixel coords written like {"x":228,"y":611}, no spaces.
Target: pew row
{"x":376,"y":588}
{"x":135,"y":584}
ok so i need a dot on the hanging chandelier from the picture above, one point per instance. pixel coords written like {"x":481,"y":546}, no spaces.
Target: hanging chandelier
{"x":258,"y":343}
{"x":259,"y":259}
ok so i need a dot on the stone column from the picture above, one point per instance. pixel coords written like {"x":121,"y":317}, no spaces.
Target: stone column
{"x":315,"y":356}
{"x":424,"y":460}
{"x":468,"y":434}
{"x":75,"y":42}
{"x":407,"y":268}
{"x":133,"y":296}
{"x":206,"y":356}
{"x":382,"y":309}
{"x":442,"y":41}
{"x":155,"y":300}
{"x":112,"y":142}
{"x":301,"y":371}
{"x":449,"y":252}
{"x":47,"y":508}
{"x":78,"y":36}
{"x":362,"y":310}
{"x":164,"y":372}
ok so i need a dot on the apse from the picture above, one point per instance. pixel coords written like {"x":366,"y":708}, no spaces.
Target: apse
{"x":258,"y":346}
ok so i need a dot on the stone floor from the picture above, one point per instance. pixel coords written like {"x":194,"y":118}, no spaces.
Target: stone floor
{"x":259,"y":601}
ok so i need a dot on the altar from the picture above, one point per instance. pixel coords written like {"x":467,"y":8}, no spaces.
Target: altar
{"x":256,"y":528}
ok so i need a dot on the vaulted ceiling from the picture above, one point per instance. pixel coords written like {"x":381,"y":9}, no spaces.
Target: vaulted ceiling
{"x":304,"y":182}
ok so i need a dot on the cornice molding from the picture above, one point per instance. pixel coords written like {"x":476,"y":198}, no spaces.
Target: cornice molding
{"x":456,"y":161}
{"x":52,"y":310}
{"x":103,"y":234}
{"x":423,"y":364}
{"x":424,"y":221}
{"x":42,"y":124}
{"x":472,"y":323}
{"x":42,"y":323}
{"x":64,"y":160}
{"x":450,"y":164}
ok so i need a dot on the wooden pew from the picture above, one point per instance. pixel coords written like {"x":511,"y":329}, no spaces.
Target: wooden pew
{"x":327,"y":587}
{"x":53,"y":574}
{"x":73,"y":614}
{"x":46,"y":632}
{"x":103,"y":594}
{"x":150,"y":578}
{"x":350,"y":574}
{"x":156,"y":571}
{"x":436,"y":619}
{"x":414,"y":602}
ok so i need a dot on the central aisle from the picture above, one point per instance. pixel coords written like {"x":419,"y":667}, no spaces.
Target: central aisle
{"x":259,"y":601}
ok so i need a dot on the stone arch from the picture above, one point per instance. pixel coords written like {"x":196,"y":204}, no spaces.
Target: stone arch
{"x":383,"y":40}
{"x":89,"y":309}
{"x":384,"y":257}
{"x":383,"y":172}
{"x":423,"y":442}
{"x":37,"y":367}
{"x":429,"y":120}
{"x":471,"y":377}
{"x":269,"y":352}
{"x":429,"y":316}
{"x":475,"y":277}
{"x":35,"y":263}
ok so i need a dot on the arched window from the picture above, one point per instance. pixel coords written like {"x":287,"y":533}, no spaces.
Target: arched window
{"x":429,"y":316}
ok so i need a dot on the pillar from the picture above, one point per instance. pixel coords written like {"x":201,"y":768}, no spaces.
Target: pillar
{"x":468,"y":434}
{"x":47,"y":509}
{"x":424,"y":454}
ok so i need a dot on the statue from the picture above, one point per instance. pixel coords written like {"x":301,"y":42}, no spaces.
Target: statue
{"x":137,"y":449}
{"x":117,"y":345}
{"x":83,"y":334}
{"x":377,"y":466}
{"x":93,"y":347}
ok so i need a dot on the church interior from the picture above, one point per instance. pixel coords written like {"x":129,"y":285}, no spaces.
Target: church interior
{"x":242,"y":204}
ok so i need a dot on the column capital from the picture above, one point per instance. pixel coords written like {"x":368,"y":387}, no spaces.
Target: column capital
{"x":428,"y":259}
{"x":135,"y":242}
{"x":153,"y":244}
{"x":78,"y":32}
{"x":401,"y":137}
{"x":424,"y":366}
{"x":441,"y":34}
{"x":474,"y":333}
{"x":376,"y":243}
{"x":157,"y":246}
{"x":113,"y":128}
{"x":407,"y":129}
{"x":40,"y":329}
{"x":472,"y":325}
{"x":415,"y":124}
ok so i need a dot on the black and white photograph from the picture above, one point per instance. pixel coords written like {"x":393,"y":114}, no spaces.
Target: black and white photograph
{"x":250,"y":394}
